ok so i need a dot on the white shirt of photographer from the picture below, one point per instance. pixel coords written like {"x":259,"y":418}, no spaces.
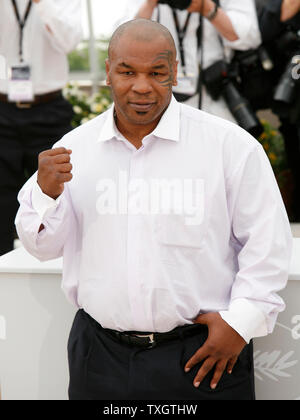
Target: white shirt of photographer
{"x":133,"y":268}
{"x":45,"y":51}
{"x":244,"y":20}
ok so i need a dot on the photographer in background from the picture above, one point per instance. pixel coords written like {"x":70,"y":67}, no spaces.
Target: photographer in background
{"x":229,"y":26}
{"x":276,"y":15}
{"x":35,"y":39}
{"x":279,"y":22}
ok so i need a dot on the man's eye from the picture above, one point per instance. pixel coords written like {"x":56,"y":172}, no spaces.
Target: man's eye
{"x":155,"y":73}
{"x":128,"y":73}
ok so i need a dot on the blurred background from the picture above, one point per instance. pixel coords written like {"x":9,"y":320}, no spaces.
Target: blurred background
{"x":87,"y":62}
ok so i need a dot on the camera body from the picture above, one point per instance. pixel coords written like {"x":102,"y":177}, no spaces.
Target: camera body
{"x":256,"y":76}
{"x":177,"y":4}
{"x":219,"y":80}
{"x":288,"y":87}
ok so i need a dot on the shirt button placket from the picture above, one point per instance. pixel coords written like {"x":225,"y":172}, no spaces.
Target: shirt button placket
{"x":134,"y":246}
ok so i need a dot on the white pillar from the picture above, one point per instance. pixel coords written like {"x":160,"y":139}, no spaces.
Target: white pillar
{"x":94,"y":66}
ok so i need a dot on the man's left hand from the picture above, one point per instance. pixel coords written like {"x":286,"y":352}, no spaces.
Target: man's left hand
{"x":220,"y":351}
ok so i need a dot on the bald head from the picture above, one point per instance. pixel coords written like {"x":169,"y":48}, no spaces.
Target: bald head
{"x":142,"y":30}
{"x":141,"y":71}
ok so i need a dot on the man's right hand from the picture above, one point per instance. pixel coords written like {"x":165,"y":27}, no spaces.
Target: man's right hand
{"x":54,"y":170}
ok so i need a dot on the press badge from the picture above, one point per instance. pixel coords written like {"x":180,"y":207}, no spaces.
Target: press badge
{"x":187,"y":83}
{"x":20,"y":87}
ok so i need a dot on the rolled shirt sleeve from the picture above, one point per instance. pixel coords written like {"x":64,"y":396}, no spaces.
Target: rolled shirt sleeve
{"x":62,"y":18}
{"x":243,"y":17}
{"x":263,"y":240}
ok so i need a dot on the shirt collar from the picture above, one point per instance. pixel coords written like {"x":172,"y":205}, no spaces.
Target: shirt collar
{"x":168,"y":127}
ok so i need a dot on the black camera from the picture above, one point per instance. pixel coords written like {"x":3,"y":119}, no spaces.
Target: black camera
{"x":177,"y":4}
{"x":256,"y":77}
{"x":287,"y":87}
{"x":220,"y":82}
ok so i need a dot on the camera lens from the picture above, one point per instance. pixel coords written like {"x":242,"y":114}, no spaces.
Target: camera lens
{"x":286,"y":89}
{"x":241,"y":110}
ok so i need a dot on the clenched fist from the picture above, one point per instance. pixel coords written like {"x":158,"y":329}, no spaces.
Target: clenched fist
{"x":54,"y":170}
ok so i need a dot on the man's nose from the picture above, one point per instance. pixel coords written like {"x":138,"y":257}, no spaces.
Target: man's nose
{"x":142,"y":84}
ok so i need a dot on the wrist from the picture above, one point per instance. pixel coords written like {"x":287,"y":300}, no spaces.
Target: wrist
{"x":152,"y":3}
{"x":207,"y":6}
{"x":211,"y":11}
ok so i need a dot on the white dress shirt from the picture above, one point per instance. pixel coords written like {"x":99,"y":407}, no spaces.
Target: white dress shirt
{"x":135,"y":260}
{"x":45,"y":50}
{"x":244,"y":20}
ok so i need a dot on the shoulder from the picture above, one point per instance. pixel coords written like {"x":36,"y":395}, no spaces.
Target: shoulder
{"x":218,"y":129}
{"x":220,"y":139}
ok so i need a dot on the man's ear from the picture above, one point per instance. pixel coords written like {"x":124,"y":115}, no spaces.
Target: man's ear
{"x":107,"y":69}
{"x":175,"y":69}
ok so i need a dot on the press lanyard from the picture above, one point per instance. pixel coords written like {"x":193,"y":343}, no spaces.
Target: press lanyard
{"x":181,"y":34}
{"x":21,"y":23}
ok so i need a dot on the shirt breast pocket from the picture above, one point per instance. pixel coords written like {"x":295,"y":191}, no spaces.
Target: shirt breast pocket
{"x":180,"y":231}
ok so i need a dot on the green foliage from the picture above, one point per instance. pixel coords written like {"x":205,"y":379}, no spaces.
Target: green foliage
{"x":273,"y":143}
{"x":86,"y":107}
{"x":79,"y":58}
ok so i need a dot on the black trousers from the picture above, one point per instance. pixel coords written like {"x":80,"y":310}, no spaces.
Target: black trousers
{"x":101,"y":368}
{"x":24,"y":133}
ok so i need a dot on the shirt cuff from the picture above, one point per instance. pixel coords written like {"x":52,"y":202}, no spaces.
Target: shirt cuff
{"x":41,"y":202}
{"x":248,"y":33}
{"x":246,"y":319}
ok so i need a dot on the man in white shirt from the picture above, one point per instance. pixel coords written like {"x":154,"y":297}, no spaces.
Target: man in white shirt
{"x":174,"y":236}
{"x":231,"y":26}
{"x":35,"y":38}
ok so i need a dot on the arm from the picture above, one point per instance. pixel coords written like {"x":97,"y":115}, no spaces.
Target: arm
{"x":147,"y":9}
{"x":243,"y":17}
{"x":62,"y":22}
{"x":289,"y":9}
{"x":45,"y":217}
{"x":221,"y":21}
{"x":236,"y":21}
{"x":262,"y":238}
